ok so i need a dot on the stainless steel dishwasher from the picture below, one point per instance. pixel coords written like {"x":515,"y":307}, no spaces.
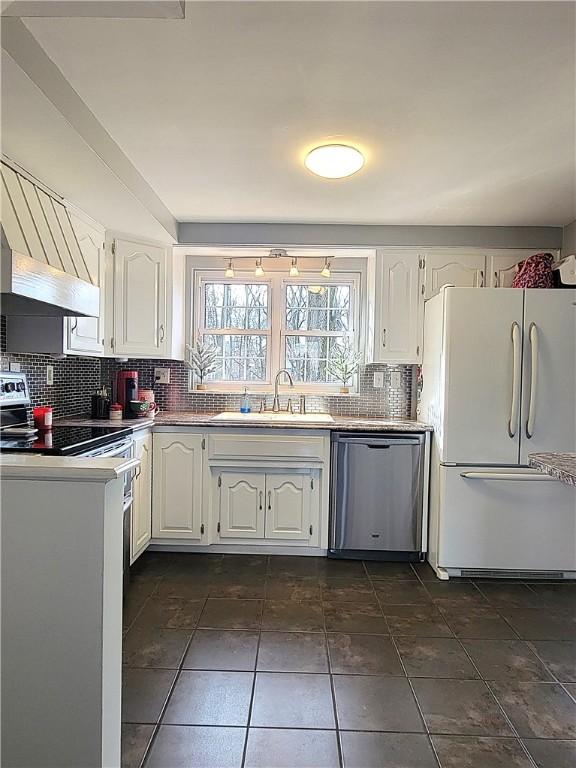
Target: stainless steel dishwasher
{"x":376,"y":495}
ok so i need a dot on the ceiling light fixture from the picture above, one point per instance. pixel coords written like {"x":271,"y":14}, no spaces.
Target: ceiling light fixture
{"x":334,"y":161}
{"x":325,"y":271}
{"x":229,"y":269}
{"x":294,"y":268}
{"x":259,"y":271}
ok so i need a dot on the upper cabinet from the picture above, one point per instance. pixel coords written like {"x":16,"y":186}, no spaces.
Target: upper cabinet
{"x":464,"y":270}
{"x":397,"y":337}
{"x":145,"y":304}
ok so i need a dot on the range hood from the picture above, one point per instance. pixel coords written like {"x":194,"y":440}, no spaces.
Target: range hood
{"x":42,"y":269}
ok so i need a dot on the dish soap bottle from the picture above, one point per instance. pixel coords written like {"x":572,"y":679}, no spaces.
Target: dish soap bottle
{"x":245,"y":404}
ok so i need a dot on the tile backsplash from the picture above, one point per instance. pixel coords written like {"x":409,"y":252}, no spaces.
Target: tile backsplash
{"x":76,"y":378}
{"x":390,"y":401}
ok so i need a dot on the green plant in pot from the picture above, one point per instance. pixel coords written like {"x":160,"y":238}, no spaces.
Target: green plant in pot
{"x":343,"y":365}
{"x":201,"y":361}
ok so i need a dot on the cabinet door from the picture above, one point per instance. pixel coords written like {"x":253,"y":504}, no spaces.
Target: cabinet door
{"x":141,"y":521}
{"x":241,"y":505}
{"x":398,"y":338}
{"x":288,"y":506}
{"x":502,"y":266}
{"x":177,"y":486}
{"x":140,"y":293}
{"x":86,"y":334}
{"x":460,"y":270}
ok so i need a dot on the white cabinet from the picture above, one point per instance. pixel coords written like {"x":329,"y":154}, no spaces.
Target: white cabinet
{"x":288,"y":498}
{"x":241,"y":505}
{"x":398,"y":326}
{"x":85,"y":335}
{"x":177,"y":485}
{"x":266,"y":505}
{"x":145,"y":299}
{"x":464,"y":270}
{"x":140,"y":288}
{"x":141,"y":517}
{"x":502,"y":266}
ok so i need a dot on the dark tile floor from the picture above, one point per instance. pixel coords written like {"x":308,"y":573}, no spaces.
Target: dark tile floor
{"x":270,"y":662}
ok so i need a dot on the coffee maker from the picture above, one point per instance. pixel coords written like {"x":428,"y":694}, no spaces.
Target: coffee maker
{"x":127,"y":390}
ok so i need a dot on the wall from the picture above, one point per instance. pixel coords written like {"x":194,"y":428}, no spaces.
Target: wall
{"x":393,"y":402}
{"x":569,"y":239}
{"x":272,"y":235}
{"x":75,"y":378}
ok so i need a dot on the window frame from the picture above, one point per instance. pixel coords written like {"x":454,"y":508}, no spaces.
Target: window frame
{"x":277,"y":280}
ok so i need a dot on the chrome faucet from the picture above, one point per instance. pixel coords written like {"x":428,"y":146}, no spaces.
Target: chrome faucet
{"x":276,"y":401}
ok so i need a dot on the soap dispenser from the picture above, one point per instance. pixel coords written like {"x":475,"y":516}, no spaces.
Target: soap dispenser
{"x":245,"y":404}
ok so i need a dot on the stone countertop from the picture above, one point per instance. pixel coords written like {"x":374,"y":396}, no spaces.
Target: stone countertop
{"x":86,"y":421}
{"x":193,"y":419}
{"x":562,"y":466}
{"x":14,"y":466}
{"x":340,"y":423}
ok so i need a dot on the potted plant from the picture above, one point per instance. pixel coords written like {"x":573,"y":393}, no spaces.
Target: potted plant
{"x":201,"y":361}
{"x":343,"y":365}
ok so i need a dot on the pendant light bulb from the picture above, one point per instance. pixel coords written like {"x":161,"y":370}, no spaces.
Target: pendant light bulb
{"x":229,"y":269}
{"x":259,"y":271}
{"x":325,"y":272}
{"x":294,"y":268}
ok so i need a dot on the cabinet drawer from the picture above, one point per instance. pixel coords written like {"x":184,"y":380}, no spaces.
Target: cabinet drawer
{"x":266,"y":447}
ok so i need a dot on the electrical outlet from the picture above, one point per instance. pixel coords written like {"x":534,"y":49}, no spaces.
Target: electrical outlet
{"x":162,"y":375}
{"x":395,"y":379}
{"x":49,"y":374}
{"x":379,"y":380}
{"x":15,"y":367}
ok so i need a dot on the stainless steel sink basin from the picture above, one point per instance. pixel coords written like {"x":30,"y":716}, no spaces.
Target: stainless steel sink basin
{"x":269,"y":416}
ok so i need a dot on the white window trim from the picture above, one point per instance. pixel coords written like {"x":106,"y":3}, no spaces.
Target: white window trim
{"x":276,"y":280}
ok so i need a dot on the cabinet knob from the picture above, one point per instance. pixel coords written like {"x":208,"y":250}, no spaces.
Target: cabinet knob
{"x":269,"y":499}
{"x":384,"y":337}
{"x":161,"y":333}
{"x":260,"y":506}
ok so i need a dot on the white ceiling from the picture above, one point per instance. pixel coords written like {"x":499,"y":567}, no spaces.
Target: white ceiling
{"x":465,"y":110}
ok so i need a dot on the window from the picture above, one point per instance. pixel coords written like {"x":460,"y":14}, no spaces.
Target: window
{"x":261,"y":325}
{"x":317,"y":318}
{"x":236,"y":321}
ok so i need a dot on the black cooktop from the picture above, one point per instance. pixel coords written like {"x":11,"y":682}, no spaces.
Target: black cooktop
{"x":64,"y":441}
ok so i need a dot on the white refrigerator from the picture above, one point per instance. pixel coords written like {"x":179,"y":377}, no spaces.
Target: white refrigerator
{"x":499,"y":383}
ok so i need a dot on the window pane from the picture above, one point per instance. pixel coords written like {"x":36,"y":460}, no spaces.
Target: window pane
{"x":307,"y":357}
{"x":236,"y":305}
{"x":318,"y":308}
{"x":240,"y":358}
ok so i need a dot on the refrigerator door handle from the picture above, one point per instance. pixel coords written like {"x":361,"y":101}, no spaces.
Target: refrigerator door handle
{"x":506,"y":476}
{"x":516,"y":360}
{"x":533,"y":337}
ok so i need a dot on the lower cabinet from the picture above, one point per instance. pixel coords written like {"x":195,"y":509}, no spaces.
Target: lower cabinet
{"x":177,"y":486}
{"x":141,"y":518}
{"x":266,"y":505}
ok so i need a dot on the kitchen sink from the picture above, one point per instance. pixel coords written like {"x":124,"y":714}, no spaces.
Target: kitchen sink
{"x":270,"y":416}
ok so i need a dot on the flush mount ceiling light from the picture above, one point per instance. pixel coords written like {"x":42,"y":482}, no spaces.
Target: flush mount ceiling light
{"x":334,"y":161}
{"x":229,"y":269}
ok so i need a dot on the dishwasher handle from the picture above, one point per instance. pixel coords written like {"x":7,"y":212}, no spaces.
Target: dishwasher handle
{"x":383,"y":442}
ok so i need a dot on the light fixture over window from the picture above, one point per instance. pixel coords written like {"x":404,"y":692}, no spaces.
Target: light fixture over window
{"x":334,"y":161}
{"x":229,"y":269}
{"x":325,"y":272}
{"x":259,"y":271}
{"x":294,"y":268}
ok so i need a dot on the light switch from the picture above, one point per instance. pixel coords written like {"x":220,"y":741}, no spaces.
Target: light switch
{"x":379,"y":380}
{"x":49,"y":374}
{"x":14,"y":366}
{"x":395,"y":379}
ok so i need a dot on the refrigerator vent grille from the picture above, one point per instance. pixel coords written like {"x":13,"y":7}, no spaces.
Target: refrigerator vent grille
{"x":473,"y":573}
